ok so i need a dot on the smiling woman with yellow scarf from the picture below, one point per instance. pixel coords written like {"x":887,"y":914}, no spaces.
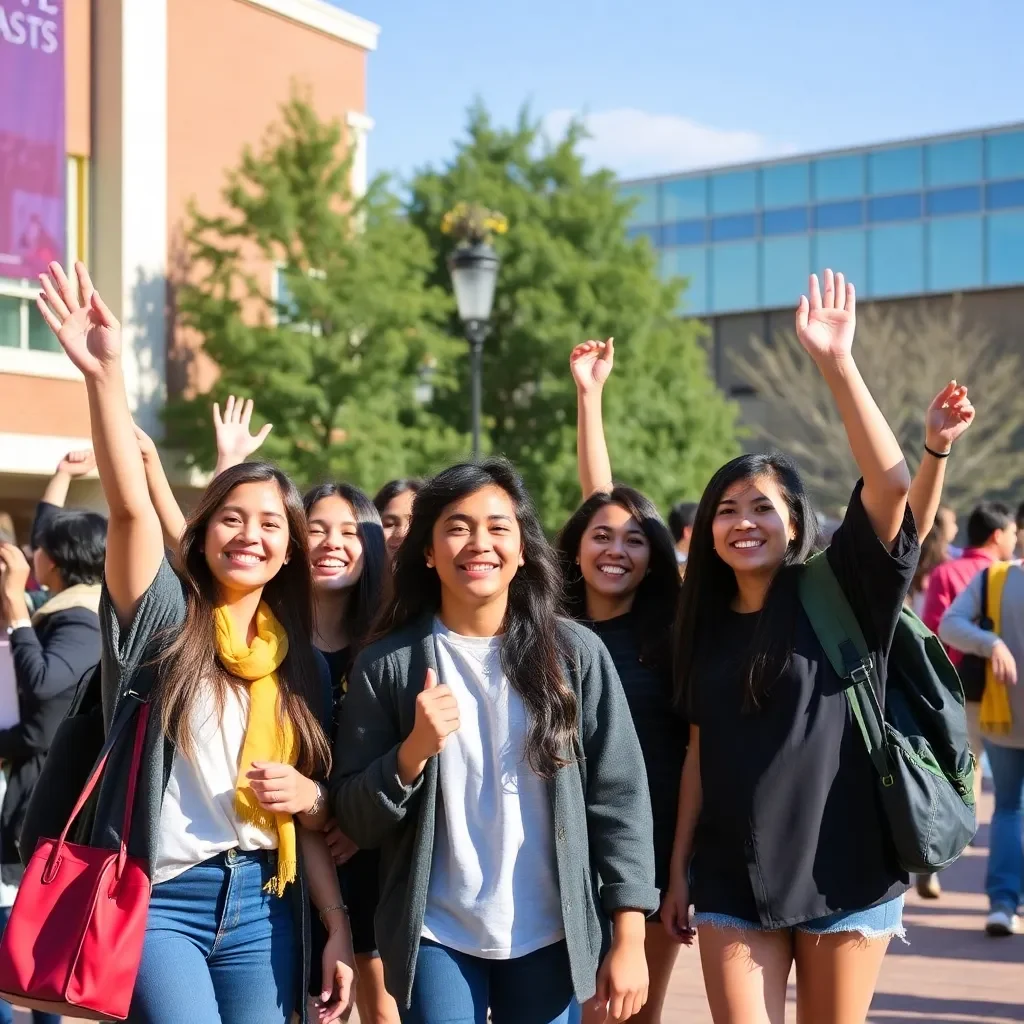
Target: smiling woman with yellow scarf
{"x":1002,"y":722}
{"x":226,"y":813}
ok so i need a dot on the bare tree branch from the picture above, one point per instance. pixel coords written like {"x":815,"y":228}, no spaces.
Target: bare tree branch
{"x":905,"y":357}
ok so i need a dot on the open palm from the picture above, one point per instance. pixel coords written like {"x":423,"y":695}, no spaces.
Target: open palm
{"x":591,"y":363}
{"x":825,"y":323}
{"x":234,"y":441}
{"x":948,"y":417}
{"x":80,"y":319}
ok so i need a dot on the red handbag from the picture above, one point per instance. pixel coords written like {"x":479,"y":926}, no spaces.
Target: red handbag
{"x":74,"y":939}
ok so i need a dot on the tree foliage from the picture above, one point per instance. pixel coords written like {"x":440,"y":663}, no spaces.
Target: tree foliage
{"x":332,"y":355}
{"x":905,"y":356}
{"x":569,"y":271}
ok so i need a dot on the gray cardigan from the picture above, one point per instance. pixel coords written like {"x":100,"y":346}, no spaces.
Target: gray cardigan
{"x":601,"y":807}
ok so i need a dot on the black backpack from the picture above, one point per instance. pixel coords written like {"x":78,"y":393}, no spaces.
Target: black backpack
{"x":919,"y":745}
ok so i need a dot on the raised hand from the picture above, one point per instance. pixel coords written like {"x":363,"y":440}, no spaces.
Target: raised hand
{"x":80,"y":319}
{"x":825,"y":323}
{"x":591,"y":363}
{"x":948,"y":417}
{"x":234,"y":441}
{"x":147,"y":446}
{"x":78,"y":463}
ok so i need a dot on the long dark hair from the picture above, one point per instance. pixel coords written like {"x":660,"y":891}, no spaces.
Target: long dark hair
{"x":533,"y":651}
{"x":191,"y":656}
{"x":709,"y":585}
{"x":364,"y":604}
{"x":393,"y":488}
{"x":654,"y":604}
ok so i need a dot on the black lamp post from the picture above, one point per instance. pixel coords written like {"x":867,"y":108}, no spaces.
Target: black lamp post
{"x":474,"y":270}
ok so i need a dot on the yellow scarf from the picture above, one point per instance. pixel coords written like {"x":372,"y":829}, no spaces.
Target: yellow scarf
{"x":996,"y":716}
{"x":266,"y":738}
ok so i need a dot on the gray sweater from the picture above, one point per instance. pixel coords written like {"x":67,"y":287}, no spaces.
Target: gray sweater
{"x":601,"y":808}
{"x":959,"y":628}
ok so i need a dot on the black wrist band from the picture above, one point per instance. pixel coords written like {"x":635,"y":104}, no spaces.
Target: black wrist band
{"x":938,"y":455}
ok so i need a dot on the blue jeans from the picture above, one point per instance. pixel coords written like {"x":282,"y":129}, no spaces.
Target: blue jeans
{"x":218,"y":949}
{"x":6,"y":1013}
{"x":1005,"y":877}
{"x":456,"y":988}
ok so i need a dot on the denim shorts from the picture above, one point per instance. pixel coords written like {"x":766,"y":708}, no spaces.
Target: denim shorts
{"x":884,"y":921}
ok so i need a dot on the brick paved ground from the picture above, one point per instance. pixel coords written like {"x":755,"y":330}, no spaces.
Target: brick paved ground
{"x":951,"y":973}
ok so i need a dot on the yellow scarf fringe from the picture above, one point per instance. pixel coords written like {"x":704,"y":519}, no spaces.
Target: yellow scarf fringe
{"x":996,"y":715}
{"x":267,"y":736}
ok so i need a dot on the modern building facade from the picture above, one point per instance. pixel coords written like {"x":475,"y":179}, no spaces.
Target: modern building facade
{"x":926,"y":217}
{"x":161,"y":98}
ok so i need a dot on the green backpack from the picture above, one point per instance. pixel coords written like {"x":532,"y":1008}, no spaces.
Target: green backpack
{"x":919,"y":746}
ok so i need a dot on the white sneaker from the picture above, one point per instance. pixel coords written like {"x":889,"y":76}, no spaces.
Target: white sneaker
{"x":1001,"y":923}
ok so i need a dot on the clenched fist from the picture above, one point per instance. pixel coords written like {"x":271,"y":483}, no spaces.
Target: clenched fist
{"x":437,"y":717}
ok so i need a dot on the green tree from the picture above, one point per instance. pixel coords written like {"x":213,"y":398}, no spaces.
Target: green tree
{"x":335,"y":354}
{"x":569,"y":271}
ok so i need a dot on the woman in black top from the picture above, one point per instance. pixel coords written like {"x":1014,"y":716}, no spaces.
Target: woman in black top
{"x":781,"y":844}
{"x":622,"y":580}
{"x":350,"y":566}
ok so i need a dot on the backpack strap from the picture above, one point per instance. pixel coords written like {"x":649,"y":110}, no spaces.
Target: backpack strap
{"x":842,"y":640}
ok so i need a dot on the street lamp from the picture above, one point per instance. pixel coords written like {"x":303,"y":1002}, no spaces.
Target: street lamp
{"x":474,"y":270}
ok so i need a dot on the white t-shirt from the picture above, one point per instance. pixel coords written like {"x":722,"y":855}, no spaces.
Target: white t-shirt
{"x":493,"y":889}
{"x":198,"y":819}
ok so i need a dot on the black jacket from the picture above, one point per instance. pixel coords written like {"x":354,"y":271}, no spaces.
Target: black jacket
{"x":49,"y":660}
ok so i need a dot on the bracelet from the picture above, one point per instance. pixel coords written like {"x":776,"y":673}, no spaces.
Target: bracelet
{"x":938,"y":455}
{"x":330,"y":910}
{"x":318,"y":802}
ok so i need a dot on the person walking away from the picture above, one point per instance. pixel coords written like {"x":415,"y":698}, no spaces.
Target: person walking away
{"x":781,"y":843}
{"x":52,"y":649}
{"x":1001,"y":720}
{"x":680,"y":524}
{"x":991,"y":537}
{"x":485,"y":745}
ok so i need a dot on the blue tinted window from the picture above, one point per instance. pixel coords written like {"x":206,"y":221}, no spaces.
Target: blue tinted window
{"x":645,"y":208}
{"x":895,"y":170}
{"x":1002,"y":194}
{"x":786,"y":222}
{"x":734,"y":192}
{"x":684,"y":232}
{"x":653,"y":233}
{"x":884,"y":208}
{"x":952,"y":163}
{"x":838,"y":177}
{"x":693,"y":265}
{"x":1006,"y":248}
{"x":728,"y":229}
{"x":785,"y":265}
{"x":684,"y":198}
{"x":845,"y":251}
{"x":955,"y":254}
{"x":1004,"y":155}
{"x":896,"y":260}
{"x":786,"y":185}
{"x":734,"y":277}
{"x":945,"y":201}
{"x":838,"y":215}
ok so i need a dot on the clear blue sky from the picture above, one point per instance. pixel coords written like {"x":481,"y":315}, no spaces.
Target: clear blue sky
{"x":670,"y":84}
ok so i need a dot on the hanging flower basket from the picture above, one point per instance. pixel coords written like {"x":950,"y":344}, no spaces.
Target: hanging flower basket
{"x":472,"y":224}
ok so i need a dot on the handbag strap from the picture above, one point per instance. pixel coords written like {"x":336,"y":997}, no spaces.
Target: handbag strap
{"x":141,"y":721}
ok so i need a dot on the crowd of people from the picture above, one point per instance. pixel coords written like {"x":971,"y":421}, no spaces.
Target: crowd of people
{"x":512,"y":778}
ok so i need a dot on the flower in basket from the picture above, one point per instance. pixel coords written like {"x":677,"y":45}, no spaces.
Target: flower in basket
{"x":471,"y":223}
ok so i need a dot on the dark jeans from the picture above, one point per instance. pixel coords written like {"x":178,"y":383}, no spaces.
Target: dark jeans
{"x":218,"y":949}
{"x":456,"y":988}
{"x":6,"y":1013}
{"x":1005,"y":877}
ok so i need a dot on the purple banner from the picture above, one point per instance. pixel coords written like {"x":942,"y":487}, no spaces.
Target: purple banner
{"x":32,"y":140}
